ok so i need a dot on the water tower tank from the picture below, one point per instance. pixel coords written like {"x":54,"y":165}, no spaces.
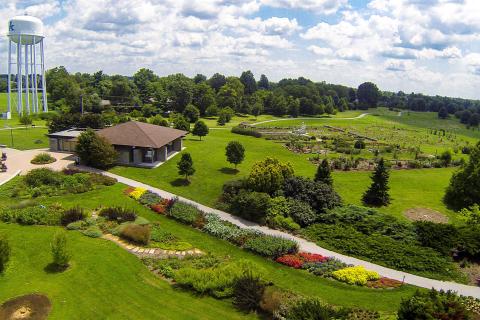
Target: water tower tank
{"x":29,"y":28}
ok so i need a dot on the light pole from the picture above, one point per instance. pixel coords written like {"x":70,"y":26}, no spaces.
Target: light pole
{"x":11,"y":132}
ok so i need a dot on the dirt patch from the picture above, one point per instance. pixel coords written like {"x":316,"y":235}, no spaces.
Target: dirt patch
{"x":425,"y":214}
{"x":472,"y":272}
{"x":28,"y":307}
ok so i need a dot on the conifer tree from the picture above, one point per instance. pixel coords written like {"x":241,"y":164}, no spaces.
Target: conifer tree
{"x":185,"y":166}
{"x":324,"y":174}
{"x":377,"y":195}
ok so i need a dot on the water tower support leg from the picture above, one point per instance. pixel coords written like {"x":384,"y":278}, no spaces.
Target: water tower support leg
{"x":44,"y":89}
{"x":27,"y":86}
{"x":19,"y":77}
{"x":9,"y":85}
{"x":35,"y":85}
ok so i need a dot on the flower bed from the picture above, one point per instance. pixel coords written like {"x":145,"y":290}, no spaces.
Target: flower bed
{"x":293,"y":261}
{"x":355,"y":275}
{"x":283,"y":250}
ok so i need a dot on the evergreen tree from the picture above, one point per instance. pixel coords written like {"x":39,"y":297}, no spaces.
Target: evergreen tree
{"x":235,"y":153}
{"x":323,"y":173}
{"x":200,"y":129}
{"x":377,"y":195}
{"x":185,"y":166}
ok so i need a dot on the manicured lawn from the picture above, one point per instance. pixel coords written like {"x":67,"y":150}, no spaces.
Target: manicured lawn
{"x":23,"y":139}
{"x":409,"y":188}
{"x":104,"y":282}
{"x":301,"y":281}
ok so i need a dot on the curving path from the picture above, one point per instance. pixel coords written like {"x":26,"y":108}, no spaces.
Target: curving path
{"x":285,"y":119}
{"x":309,"y":246}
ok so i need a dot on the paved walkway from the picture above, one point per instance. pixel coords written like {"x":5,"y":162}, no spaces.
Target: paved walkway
{"x":286,"y":119}
{"x":308,"y":246}
{"x":151,"y":252}
{"x":18,"y":161}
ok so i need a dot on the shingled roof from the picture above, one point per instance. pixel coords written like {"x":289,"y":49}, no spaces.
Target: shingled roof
{"x":140,"y":134}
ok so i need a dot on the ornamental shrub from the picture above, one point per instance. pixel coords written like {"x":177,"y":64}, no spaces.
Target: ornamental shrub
{"x":38,"y":216}
{"x":61,"y":255}
{"x":4,"y":252}
{"x":380,"y":249}
{"x":93,"y":232}
{"x":251,"y":205}
{"x":319,"y":196}
{"x":43,"y":158}
{"x":118,"y":214}
{"x":184,"y":212}
{"x":355,"y":275}
{"x":271,"y":246}
{"x":43,"y":176}
{"x":433,"y":305}
{"x":246,"y":132}
{"x":324,"y":269}
{"x":302,"y":213}
{"x":72,"y":215}
{"x":77,"y":225}
{"x":137,"y":233}
{"x":137,"y":193}
{"x":284,"y":223}
{"x":149,"y":198}
{"x":311,"y":308}
{"x":217,"y":281}
{"x":248,"y":292}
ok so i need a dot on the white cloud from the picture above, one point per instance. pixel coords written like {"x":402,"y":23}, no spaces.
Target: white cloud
{"x":320,"y":51}
{"x":326,"y":7}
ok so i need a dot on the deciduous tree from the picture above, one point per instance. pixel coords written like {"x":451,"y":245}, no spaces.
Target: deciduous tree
{"x":235,"y":153}
{"x":200,"y":129}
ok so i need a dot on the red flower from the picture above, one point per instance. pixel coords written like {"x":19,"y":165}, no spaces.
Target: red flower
{"x":312,"y":257}
{"x":158,"y":208}
{"x":291,"y":261}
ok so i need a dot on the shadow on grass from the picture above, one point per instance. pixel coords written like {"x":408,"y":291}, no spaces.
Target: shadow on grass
{"x":226,"y":170}
{"x":180,"y":182}
{"x":193,"y":139}
{"x":54,"y":268}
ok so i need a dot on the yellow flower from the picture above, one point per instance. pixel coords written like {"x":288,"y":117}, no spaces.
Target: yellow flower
{"x":137,"y":193}
{"x":355,"y":275}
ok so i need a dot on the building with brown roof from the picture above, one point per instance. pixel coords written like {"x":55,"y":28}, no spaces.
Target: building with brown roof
{"x":137,"y":143}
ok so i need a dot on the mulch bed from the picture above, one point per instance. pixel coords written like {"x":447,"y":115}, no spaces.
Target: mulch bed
{"x":28,"y":307}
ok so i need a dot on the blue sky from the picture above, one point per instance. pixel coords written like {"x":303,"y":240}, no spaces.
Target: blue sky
{"x":429,"y":46}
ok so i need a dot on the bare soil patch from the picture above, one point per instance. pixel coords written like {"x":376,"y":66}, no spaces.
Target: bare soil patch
{"x":425,"y":214}
{"x":28,"y":307}
{"x":473,"y":273}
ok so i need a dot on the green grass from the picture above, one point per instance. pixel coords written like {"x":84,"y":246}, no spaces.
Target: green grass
{"x":409,"y":188}
{"x":104,"y":281}
{"x":103,"y":267}
{"x":25,"y":138}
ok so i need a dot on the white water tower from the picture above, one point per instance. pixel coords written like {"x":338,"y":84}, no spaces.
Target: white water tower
{"x":26,"y":71}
